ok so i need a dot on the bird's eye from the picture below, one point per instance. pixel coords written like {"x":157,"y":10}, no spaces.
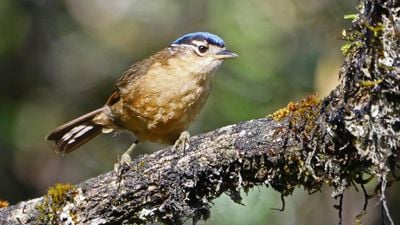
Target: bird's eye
{"x":202,"y":48}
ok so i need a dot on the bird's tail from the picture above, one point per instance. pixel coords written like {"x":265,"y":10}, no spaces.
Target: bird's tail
{"x":75,"y":133}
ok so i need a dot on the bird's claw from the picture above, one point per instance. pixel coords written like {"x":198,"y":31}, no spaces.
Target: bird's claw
{"x":125,"y":159}
{"x":182,"y":144}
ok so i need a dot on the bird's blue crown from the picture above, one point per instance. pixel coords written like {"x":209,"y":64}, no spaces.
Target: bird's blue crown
{"x":200,"y":36}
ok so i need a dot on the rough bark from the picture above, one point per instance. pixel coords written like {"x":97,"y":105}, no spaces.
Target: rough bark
{"x":335,"y":141}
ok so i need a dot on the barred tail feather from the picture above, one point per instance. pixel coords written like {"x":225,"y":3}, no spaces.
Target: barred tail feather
{"x":75,"y":133}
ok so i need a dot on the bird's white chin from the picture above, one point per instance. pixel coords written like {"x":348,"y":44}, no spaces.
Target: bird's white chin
{"x":210,"y":66}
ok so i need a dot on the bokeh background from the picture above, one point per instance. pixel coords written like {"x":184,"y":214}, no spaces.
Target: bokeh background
{"x":60,"y":59}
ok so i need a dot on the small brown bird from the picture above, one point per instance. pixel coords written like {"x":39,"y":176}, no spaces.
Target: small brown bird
{"x":157,"y":98}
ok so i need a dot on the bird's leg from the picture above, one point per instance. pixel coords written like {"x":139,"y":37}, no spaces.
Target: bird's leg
{"x":182,"y":144}
{"x":126,"y":157}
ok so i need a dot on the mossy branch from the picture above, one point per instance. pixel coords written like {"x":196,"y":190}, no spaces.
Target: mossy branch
{"x":334,"y":141}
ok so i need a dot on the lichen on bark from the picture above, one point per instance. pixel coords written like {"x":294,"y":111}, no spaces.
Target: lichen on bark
{"x":335,"y":141}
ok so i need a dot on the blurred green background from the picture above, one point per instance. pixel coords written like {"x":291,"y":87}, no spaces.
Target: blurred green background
{"x":60,"y":59}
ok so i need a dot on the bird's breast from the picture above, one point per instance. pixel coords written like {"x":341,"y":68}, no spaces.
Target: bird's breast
{"x":162,"y":104}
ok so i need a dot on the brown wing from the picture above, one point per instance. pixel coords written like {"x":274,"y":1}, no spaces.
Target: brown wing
{"x":140,"y":68}
{"x":131,"y":75}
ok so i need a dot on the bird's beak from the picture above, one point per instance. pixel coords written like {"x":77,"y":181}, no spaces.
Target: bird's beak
{"x":226,"y":54}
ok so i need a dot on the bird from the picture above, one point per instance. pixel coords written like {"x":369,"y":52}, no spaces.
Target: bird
{"x":156,"y":98}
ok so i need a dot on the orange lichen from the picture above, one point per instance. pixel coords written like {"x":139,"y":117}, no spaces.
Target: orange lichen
{"x":53,"y":202}
{"x":4,"y":203}
{"x":297,"y":109}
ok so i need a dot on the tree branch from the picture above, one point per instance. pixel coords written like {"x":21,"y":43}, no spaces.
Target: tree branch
{"x":335,"y":141}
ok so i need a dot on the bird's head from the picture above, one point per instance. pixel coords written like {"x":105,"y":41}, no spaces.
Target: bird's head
{"x":203,"y":51}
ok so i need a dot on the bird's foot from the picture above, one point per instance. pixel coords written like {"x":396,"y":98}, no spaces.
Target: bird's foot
{"x":182,"y":144}
{"x":125,"y":159}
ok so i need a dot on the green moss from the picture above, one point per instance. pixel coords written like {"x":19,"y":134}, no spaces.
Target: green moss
{"x":355,"y":37}
{"x":53,"y":202}
{"x":375,"y":29}
{"x":370,"y":83}
{"x":349,"y":47}
{"x":352,"y":17}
